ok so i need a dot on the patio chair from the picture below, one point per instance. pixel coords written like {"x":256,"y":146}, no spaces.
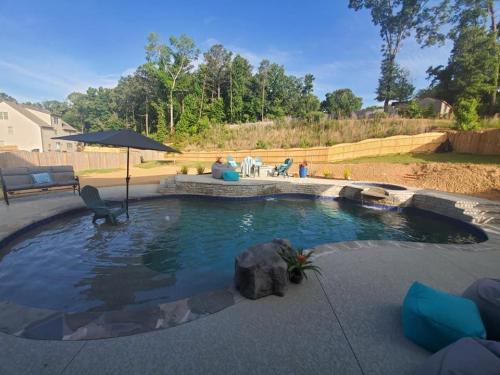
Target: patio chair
{"x":231,"y":162}
{"x":99,"y":207}
{"x":283,"y":168}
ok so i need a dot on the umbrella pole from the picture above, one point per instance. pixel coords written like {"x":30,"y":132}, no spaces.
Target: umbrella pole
{"x":127,"y":179}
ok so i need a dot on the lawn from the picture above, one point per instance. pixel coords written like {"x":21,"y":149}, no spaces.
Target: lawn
{"x":97,"y":170}
{"x":162,"y":163}
{"x":449,"y":157}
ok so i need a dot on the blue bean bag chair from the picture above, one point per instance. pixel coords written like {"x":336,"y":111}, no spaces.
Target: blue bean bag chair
{"x":229,"y":175}
{"x":435,"y":319}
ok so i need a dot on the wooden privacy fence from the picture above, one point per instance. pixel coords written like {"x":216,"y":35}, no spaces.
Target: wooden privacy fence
{"x":426,"y":142}
{"x":79,"y":160}
{"x":486,"y":142}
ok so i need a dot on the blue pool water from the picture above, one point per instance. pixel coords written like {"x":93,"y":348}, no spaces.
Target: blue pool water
{"x":175,"y":248}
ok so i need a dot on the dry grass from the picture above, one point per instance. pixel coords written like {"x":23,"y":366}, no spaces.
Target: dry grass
{"x":303,"y":135}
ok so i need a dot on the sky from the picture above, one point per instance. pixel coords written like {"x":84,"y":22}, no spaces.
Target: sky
{"x":52,"y":48}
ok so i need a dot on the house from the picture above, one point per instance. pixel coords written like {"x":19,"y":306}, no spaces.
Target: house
{"x":438,"y":108}
{"x":367,"y":113}
{"x":431,"y":107}
{"x":30,"y":128}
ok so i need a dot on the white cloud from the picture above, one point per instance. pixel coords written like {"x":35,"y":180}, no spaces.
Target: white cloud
{"x":53,"y":77}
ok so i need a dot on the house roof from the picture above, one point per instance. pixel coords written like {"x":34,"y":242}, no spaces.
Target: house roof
{"x":24,"y":110}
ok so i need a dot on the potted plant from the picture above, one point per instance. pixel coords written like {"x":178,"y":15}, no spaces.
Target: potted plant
{"x":298,"y":263}
{"x":347,"y":174}
{"x":303,"y":170}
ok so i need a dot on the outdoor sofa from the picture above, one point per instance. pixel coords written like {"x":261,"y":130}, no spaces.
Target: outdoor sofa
{"x":37,"y":178}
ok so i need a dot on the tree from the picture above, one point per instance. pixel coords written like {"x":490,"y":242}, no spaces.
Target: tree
{"x":172,"y":61}
{"x":161,"y":126}
{"x":4,"y":96}
{"x":264,"y":68}
{"x":393,"y":84}
{"x":217,"y":61}
{"x":239,"y":91}
{"x":466,"y":117}
{"x":470,"y":70}
{"x":449,"y":19}
{"x":341,"y":103}
{"x":396,"y":19}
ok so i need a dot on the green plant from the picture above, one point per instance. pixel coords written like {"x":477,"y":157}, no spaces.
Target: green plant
{"x":261,"y":144}
{"x":200,"y":169}
{"x":327,"y":173}
{"x":414,"y":110}
{"x":347,"y":174}
{"x":184,"y":169}
{"x":466,"y":117}
{"x":304,"y":143}
{"x":299,"y":262}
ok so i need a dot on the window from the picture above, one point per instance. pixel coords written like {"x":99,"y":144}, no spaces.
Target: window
{"x":2,"y":143}
{"x":4,"y":115}
{"x":58,"y":146}
{"x":55,"y":120}
{"x":10,"y":130}
{"x":69,"y":146}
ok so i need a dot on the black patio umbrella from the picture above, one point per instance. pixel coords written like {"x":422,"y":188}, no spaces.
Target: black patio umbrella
{"x":121,"y":138}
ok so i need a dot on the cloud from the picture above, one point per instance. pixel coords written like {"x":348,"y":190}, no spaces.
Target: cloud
{"x":56,"y":77}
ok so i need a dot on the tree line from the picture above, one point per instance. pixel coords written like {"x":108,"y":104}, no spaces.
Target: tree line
{"x":168,"y":94}
{"x":180,"y":91}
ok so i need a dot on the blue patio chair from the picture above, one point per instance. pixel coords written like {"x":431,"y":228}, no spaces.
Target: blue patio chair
{"x":283,"y":168}
{"x":231,"y":162}
{"x":99,"y":207}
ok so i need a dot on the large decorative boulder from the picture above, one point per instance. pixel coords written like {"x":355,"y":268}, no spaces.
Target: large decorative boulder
{"x":486,"y":294}
{"x":260,"y":271}
{"x":434,"y":319}
{"x":467,"y":356}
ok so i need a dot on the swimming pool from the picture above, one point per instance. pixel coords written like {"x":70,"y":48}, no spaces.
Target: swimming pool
{"x":178,"y":247}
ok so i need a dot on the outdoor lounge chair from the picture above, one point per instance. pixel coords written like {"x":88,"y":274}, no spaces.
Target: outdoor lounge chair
{"x":93,"y":201}
{"x":231,"y":162}
{"x":283,"y":168}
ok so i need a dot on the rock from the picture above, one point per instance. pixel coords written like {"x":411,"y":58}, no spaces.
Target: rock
{"x":260,"y":271}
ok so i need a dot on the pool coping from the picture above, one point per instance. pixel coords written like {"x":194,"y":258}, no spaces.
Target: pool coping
{"x":45,"y":324}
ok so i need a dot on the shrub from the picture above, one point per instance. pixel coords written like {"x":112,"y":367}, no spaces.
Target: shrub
{"x":466,"y":117}
{"x":304,"y":143}
{"x":261,"y":144}
{"x":200,"y":169}
{"x":413,"y":110}
{"x":184,"y":169}
{"x":327,"y":173}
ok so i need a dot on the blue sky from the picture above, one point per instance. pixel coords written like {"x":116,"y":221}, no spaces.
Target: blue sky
{"x":52,"y":48}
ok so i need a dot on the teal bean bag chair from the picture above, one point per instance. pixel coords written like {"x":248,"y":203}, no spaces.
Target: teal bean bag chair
{"x":434,"y":319}
{"x":229,"y":175}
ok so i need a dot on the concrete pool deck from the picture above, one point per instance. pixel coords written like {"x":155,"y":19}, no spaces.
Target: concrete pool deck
{"x":346,"y":322}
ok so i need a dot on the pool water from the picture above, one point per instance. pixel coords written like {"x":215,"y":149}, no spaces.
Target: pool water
{"x":176,"y":248}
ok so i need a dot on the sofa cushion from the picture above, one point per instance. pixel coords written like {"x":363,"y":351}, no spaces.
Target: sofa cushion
{"x":486,"y":295}
{"x":467,"y":356}
{"x":41,"y":178}
{"x":63,"y":177}
{"x":434,"y":319}
{"x":17,"y":181}
{"x":229,"y":175}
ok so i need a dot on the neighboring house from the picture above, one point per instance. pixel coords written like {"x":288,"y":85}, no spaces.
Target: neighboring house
{"x":367,"y":113}
{"x":430,"y":107}
{"x":31,"y":129}
{"x":439,"y":108}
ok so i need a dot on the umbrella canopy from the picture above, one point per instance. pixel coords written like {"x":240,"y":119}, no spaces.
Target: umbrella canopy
{"x":121,"y":138}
